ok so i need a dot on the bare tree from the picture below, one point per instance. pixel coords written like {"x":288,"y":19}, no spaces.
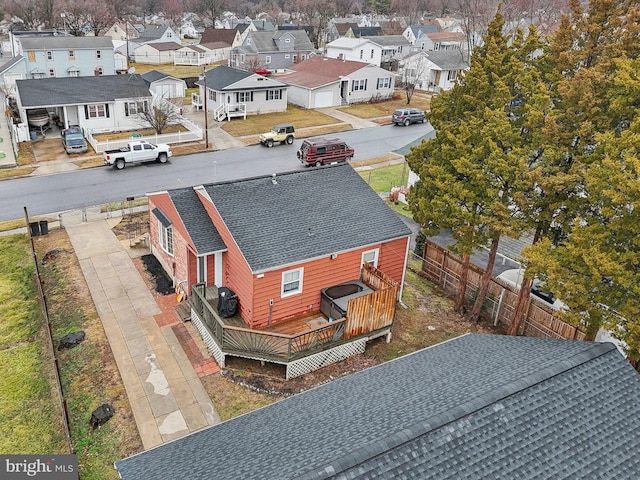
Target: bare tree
{"x":209,"y":9}
{"x":26,"y":10}
{"x":174,"y":12}
{"x":159,"y":114}
{"x":413,"y":75}
{"x":100,"y":15}
{"x":413,"y":10}
{"x":344,"y":7}
{"x":476,"y":15}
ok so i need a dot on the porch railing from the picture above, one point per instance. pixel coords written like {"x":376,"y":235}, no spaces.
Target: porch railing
{"x":262,"y":344}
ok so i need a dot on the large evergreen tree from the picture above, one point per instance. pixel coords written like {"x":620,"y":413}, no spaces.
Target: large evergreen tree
{"x":487,"y":137}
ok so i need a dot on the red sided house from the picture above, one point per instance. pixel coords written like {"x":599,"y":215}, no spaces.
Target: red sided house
{"x":313,"y":260}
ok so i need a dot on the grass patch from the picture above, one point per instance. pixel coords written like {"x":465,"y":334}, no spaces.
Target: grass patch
{"x":124,"y":205}
{"x":386,"y":108}
{"x":231,"y":399}
{"x":382,"y":179}
{"x":178,"y":71}
{"x":90,"y":162}
{"x":257,"y":124}
{"x":187,"y":97}
{"x":88,"y":372}
{"x":31,"y":420}
{"x":103,"y":137}
{"x":401,"y":208}
{"x":16,"y":172}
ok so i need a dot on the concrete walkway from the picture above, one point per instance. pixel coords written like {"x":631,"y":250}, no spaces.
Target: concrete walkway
{"x":356,"y":122}
{"x":166,"y":396}
{"x":7,"y":157}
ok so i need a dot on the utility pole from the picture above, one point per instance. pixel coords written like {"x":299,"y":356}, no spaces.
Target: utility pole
{"x":206,"y":114}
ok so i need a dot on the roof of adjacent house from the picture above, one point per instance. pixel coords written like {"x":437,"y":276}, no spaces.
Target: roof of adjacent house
{"x":155,"y":75}
{"x":264,"y":42}
{"x":444,"y":59}
{"x":366,"y":31}
{"x":304,"y":215}
{"x":343,"y":28}
{"x":422,"y":29}
{"x":318,"y":71}
{"x":348,"y":43}
{"x":64,"y":42}
{"x":388,"y":40}
{"x":227,"y":35}
{"x":80,"y":90}
{"x":221,"y":77}
{"x":162,"y":46}
{"x":5,"y":67}
{"x":446,"y":36}
{"x":477,"y":406}
{"x":204,"y":234}
{"x":153,"y":32}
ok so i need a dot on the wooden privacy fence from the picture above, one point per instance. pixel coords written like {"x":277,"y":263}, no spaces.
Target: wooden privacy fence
{"x":376,"y":310}
{"x":443,"y":267}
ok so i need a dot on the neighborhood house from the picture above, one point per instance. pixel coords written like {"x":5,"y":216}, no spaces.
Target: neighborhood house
{"x":276,"y":242}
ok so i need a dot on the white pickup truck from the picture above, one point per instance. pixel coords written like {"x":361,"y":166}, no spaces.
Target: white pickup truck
{"x":137,"y":152}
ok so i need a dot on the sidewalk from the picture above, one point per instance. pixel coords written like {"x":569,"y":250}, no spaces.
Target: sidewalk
{"x":166,"y":395}
{"x":7,"y":157}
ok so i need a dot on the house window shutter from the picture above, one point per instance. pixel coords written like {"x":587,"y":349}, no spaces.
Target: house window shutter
{"x":237,"y":97}
{"x":126,"y":109}
{"x":106,"y":108}
{"x":266,"y":93}
{"x":252,"y":96}
{"x":365,"y":86}
{"x":86,"y":112}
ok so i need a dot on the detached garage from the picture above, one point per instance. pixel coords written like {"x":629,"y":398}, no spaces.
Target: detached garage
{"x":165,"y":85}
{"x":321,"y":82}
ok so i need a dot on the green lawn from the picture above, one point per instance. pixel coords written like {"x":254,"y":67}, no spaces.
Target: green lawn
{"x":29,"y":407}
{"x":384,"y":178}
{"x":256,"y":124}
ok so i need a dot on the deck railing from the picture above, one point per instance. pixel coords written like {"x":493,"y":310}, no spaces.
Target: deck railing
{"x":262,"y":344}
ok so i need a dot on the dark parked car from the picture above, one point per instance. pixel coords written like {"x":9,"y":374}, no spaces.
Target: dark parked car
{"x":73,"y":140}
{"x":407,"y":116}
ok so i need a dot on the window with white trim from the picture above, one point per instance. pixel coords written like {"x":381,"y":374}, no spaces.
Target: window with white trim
{"x":274,"y":94}
{"x":49,"y":55}
{"x":96,"y":111}
{"x":452,"y":75}
{"x":52,"y":72}
{"x":292,"y":282}
{"x":372,"y":53}
{"x":267,"y":59}
{"x":72,"y":55}
{"x":370,"y":256}
{"x":384,"y":82}
{"x":361,"y":54}
{"x":244,"y":96}
{"x":287,"y":56}
{"x":359,"y":85}
{"x":98,"y":53}
{"x":165,"y":236}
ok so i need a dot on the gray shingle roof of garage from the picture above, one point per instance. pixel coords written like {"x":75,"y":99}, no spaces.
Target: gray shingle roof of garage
{"x":64,"y":42}
{"x":307,"y":214}
{"x":203,"y":233}
{"x":263,"y":42}
{"x":155,"y":75}
{"x":478,"y":406}
{"x":80,"y":90}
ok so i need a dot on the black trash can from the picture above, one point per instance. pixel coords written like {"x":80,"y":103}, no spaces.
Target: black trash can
{"x":35,"y":228}
{"x":227,"y":302}
{"x":44,"y":227}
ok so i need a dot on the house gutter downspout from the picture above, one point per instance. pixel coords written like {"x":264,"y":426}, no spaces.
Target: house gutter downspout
{"x":404,"y":272}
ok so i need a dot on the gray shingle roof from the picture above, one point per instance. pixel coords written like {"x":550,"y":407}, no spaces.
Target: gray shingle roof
{"x":203,"y":233}
{"x":221,"y":77}
{"x":263,"y":42}
{"x":64,"y":42}
{"x":388,"y":40}
{"x":155,"y":75}
{"x":80,"y":90}
{"x":307,"y":214}
{"x":478,"y":406}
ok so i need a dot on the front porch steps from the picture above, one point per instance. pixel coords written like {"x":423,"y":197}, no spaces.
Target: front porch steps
{"x":183,"y":311}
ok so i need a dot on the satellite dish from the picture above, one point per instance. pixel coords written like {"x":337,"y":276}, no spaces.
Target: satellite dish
{"x":131,"y":70}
